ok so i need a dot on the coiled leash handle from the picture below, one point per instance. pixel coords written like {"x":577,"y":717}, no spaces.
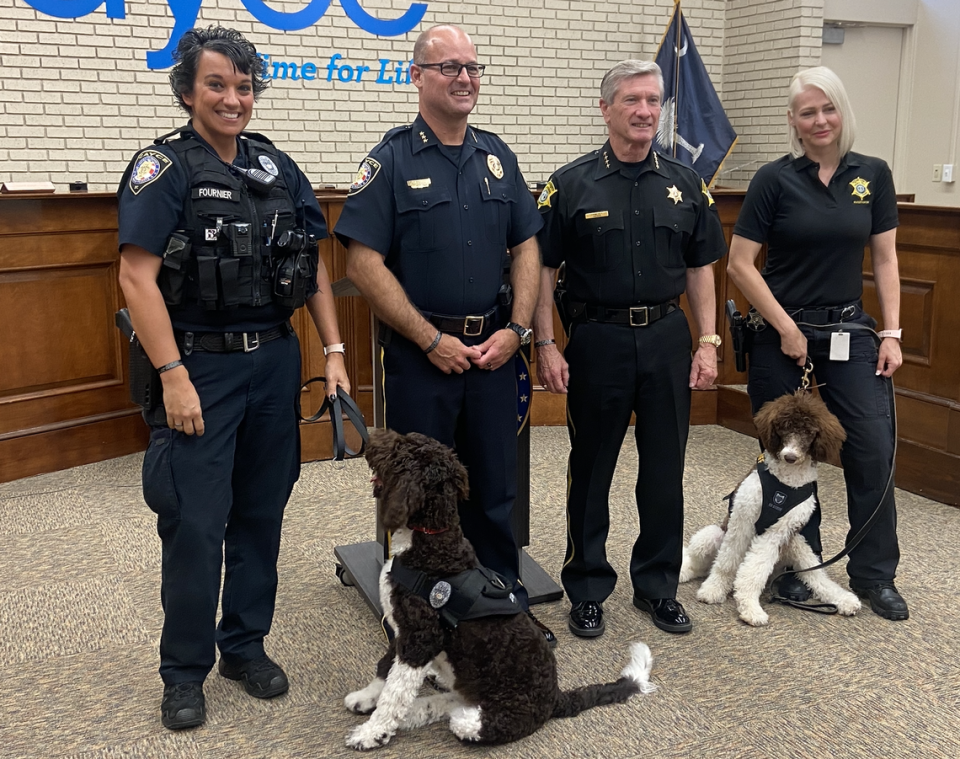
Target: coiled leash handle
{"x":340,"y":405}
{"x":862,"y":533}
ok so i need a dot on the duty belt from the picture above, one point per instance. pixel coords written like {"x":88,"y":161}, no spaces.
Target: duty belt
{"x":468,"y":326}
{"x":228,"y":342}
{"x":634,"y":316}
{"x":828,"y":315}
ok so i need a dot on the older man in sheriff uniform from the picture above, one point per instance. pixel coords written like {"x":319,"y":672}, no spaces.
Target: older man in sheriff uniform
{"x":634,"y":230}
{"x":435,"y":209}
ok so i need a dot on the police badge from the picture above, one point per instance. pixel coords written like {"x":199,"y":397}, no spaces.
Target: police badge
{"x":493,"y":163}
{"x":440,"y":594}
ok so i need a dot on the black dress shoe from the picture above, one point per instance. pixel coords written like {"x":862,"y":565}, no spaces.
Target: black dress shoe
{"x":586,"y":620}
{"x":262,"y":678}
{"x":666,"y":613}
{"x":183,"y":706}
{"x":885,"y":600}
{"x":790,"y":587}
{"x":547,"y":632}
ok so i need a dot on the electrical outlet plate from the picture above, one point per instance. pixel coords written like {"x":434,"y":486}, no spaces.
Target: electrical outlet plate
{"x":937,"y":172}
{"x":948,"y":172}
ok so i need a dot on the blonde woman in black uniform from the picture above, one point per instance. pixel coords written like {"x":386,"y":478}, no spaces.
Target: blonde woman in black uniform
{"x":816,"y":209}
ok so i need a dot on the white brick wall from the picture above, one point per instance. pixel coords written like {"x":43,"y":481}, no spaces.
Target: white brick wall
{"x":765,"y":43}
{"x":77,"y":99}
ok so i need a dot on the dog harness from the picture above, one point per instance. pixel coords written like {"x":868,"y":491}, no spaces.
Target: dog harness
{"x":778,"y":499}
{"x":478,"y":592}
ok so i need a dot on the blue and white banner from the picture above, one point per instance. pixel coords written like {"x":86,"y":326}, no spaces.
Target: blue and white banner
{"x":693,"y":126}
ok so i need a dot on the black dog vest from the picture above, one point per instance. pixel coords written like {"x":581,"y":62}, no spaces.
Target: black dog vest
{"x":778,"y":499}
{"x":478,"y":592}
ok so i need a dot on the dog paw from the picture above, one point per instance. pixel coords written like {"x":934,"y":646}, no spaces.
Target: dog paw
{"x":755,"y":617}
{"x":364,"y":701}
{"x":364,"y":738}
{"x":712,"y":593}
{"x":848,"y":604}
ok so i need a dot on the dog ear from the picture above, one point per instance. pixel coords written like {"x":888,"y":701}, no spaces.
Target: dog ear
{"x":764,"y":420}
{"x":830,"y":435}
{"x":403,"y":496}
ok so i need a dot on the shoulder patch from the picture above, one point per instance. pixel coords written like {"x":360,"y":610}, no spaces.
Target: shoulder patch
{"x":369,"y":168}
{"x":149,"y":165}
{"x":548,"y":192}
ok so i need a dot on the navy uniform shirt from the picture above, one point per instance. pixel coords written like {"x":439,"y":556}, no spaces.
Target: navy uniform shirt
{"x":816,"y":233}
{"x":628,"y":232}
{"x":443,"y":217}
{"x":147,"y":219}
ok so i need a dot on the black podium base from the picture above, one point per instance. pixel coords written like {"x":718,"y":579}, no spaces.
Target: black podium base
{"x":359,"y":566}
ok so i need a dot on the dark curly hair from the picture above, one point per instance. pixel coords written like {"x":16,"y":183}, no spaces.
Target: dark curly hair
{"x":227,"y":42}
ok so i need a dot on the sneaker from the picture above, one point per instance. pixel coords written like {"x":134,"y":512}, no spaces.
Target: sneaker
{"x":262,"y":677}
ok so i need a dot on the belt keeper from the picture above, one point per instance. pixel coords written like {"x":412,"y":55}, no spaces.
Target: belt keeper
{"x":187,"y":343}
{"x":436,"y":341}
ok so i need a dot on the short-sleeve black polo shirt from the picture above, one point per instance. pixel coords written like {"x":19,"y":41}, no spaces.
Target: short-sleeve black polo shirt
{"x":628,"y":233}
{"x":442,"y":222}
{"x":815,"y":233}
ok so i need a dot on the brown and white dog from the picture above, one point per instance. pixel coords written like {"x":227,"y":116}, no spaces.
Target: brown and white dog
{"x":499,"y":672}
{"x":797,"y":431}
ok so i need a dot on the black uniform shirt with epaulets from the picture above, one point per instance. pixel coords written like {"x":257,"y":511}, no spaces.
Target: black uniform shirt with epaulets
{"x":150,"y":205}
{"x":443,"y":217}
{"x":816,"y":233}
{"x":628,"y":232}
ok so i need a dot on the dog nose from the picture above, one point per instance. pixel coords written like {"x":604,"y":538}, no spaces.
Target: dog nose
{"x":790,"y":458}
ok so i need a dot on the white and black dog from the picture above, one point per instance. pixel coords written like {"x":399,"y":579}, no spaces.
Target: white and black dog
{"x":767,"y":512}
{"x":498,"y":670}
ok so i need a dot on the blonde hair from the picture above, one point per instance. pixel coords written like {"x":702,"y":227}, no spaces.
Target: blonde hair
{"x":830,"y":85}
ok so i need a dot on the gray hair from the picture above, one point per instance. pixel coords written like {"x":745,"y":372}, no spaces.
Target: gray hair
{"x":625,"y":70}
{"x":830,"y":85}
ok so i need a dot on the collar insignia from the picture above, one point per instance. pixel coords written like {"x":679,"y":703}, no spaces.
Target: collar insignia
{"x":148,"y":168}
{"x":656,"y":161}
{"x":606,"y":159}
{"x":365,"y":175}
{"x":706,"y":192}
{"x":548,"y":191}
{"x":424,"y":138}
{"x":861,"y":188}
{"x":674,"y":194}
{"x":493,"y":163}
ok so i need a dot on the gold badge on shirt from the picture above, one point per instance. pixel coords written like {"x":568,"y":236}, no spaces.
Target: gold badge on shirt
{"x":674,"y":194}
{"x":493,"y":163}
{"x":861,"y":188}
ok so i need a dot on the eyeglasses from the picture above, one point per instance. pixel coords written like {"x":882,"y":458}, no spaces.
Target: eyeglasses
{"x":474,"y":70}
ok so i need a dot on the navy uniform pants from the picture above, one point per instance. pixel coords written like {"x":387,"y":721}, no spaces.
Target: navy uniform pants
{"x":219,"y":500}
{"x":475,"y":413}
{"x":616,"y":370}
{"x":861,"y":401}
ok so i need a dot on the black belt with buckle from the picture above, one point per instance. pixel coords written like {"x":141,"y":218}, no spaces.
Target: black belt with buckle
{"x":468,"y":326}
{"x":228,"y":342}
{"x":635,"y":316}
{"x":823,"y":316}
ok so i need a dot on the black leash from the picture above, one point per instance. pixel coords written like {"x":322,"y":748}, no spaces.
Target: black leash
{"x":340,"y":405}
{"x":862,"y":533}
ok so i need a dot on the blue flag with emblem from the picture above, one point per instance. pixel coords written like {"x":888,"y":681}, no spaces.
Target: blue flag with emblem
{"x":693,"y":126}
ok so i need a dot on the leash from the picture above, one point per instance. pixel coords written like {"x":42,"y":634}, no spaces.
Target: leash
{"x":862,"y":533}
{"x":340,"y":405}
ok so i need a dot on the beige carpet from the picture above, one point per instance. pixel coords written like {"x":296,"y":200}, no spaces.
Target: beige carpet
{"x":80,"y":620}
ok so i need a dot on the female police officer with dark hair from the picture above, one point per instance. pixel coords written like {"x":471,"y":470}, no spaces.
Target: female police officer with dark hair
{"x":817,"y":208}
{"x":218,"y":235}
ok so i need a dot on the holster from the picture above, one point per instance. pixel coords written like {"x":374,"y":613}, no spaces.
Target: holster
{"x":738,"y":338}
{"x":562,"y":300}
{"x":146,"y":389}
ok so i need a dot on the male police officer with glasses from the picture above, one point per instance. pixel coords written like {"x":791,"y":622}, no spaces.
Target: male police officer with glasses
{"x":436,"y":209}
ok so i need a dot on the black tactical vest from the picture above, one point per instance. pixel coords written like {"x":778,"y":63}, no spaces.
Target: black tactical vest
{"x":224,"y":252}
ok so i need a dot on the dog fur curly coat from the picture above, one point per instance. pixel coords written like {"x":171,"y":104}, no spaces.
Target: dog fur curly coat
{"x":797,"y":431}
{"x":498,"y":671}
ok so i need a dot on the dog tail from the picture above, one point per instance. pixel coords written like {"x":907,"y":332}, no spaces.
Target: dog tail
{"x":634,"y":679}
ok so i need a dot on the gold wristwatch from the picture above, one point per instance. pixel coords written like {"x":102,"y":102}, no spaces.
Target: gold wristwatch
{"x":713,"y":340}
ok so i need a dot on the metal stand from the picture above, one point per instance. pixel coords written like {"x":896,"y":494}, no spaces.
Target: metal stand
{"x":359,"y":564}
